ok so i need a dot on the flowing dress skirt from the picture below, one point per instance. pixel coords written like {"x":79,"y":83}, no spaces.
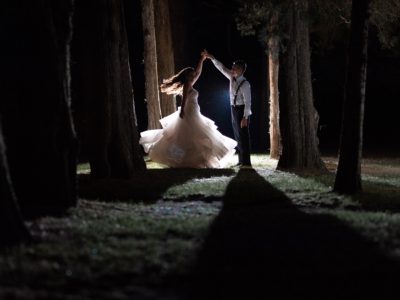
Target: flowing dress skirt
{"x":189,"y":142}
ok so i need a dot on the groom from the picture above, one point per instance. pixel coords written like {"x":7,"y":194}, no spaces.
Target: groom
{"x":240,"y":97}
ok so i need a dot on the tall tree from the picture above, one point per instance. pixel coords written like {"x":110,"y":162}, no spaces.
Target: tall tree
{"x":35,"y":105}
{"x":273,"y":72}
{"x":104,"y":103}
{"x":348,"y":176}
{"x":12,"y":228}
{"x":165,"y":52}
{"x":150,"y":65}
{"x":298,"y":116}
{"x":262,"y":18}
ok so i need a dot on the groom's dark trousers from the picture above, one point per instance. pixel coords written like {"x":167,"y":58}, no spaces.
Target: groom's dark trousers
{"x":242,"y":135}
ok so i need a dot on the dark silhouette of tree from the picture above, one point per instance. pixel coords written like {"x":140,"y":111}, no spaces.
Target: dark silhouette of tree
{"x":179,"y":33}
{"x":385,"y":17}
{"x":12,"y":228}
{"x":348,"y":176}
{"x":298,"y":118}
{"x":35,"y":105}
{"x":103,"y":94}
{"x":165,"y":52}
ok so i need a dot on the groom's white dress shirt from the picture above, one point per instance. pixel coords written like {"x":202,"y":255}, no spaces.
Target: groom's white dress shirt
{"x":244,"y":93}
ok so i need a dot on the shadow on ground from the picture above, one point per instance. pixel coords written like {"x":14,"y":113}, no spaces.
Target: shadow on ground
{"x":148,"y":186}
{"x":261,"y":245}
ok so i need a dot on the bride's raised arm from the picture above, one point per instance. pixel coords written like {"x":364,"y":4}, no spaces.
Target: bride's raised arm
{"x":199,"y":68}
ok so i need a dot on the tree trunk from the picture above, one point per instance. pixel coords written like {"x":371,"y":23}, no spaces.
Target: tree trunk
{"x":12,"y":228}
{"x":165,"y":53}
{"x":273,"y":68}
{"x":348,"y":176}
{"x":35,"y":106}
{"x":263,"y":140}
{"x":150,"y":65}
{"x":298,"y":124}
{"x":104,"y":104}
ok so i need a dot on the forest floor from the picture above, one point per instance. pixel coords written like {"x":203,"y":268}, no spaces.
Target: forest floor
{"x":216,"y":234}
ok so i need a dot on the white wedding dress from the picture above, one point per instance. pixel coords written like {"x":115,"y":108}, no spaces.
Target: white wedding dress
{"x":189,"y":142}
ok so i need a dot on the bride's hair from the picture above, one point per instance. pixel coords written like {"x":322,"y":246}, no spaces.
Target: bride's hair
{"x":174,"y":84}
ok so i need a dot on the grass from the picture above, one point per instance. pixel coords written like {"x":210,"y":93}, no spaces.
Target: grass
{"x":138,"y":239}
{"x":380,"y":227}
{"x":101,"y":244}
{"x":83,"y":168}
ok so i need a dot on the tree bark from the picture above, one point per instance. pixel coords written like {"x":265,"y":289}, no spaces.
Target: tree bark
{"x":165,"y":53}
{"x":12,"y":228}
{"x":348,"y":176}
{"x":104,"y":104}
{"x":150,"y":65}
{"x":35,"y":106}
{"x":273,"y":69}
{"x":298,"y":123}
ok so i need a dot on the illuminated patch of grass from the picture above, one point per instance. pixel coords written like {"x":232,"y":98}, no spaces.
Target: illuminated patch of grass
{"x":380,"y":183}
{"x":380,"y":227}
{"x":257,"y":160}
{"x":289,"y":182}
{"x":83,"y":168}
{"x":263,"y":161}
{"x":385,"y":180}
{"x":206,"y":187}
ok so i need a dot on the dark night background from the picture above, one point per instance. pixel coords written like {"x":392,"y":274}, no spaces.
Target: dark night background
{"x":203,"y":25}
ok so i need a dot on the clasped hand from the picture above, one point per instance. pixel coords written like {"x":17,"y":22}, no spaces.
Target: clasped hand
{"x":205,"y":54}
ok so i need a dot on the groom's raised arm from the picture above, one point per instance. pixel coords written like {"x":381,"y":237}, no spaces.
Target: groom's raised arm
{"x":224,"y":70}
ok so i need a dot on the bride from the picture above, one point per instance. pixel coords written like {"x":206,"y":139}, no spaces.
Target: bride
{"x":187,"y":138}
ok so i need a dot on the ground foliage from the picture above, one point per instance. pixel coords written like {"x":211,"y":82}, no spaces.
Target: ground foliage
{"x":196,"y":223}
